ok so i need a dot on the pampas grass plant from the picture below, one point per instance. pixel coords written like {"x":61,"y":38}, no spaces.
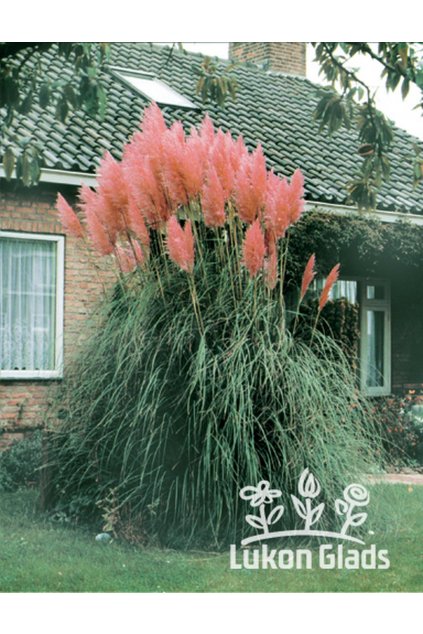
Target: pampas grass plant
{"x":193,"y":386}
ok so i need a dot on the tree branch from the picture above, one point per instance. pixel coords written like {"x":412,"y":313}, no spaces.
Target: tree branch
{"x":11,"y":49}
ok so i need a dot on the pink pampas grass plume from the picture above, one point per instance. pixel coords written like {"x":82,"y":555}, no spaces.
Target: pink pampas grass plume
{"x":238,"y":153}
{"x":254,"y":248}
{"x":180,"y":244}
{"x":206,"y":131}
{"x":153,"y":127}
{"x":91,"y":205}
{"x":244,"y":196}
{"x":258,"y":175}
{"x":146,"y":187}
{"x":129,"y":257}
{"x":111,"y":179}
{"x":213,"y":200}
{"x":68,"y":218}
{"x":330,"y":281}
{"x":172,"y":159}
{"x":221,"y":159}
{"x":276,"y":208}
{"x":308,"y":276}
{"x":137,"y":223}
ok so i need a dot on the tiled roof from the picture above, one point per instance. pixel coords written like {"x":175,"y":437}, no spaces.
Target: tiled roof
{"x":274,"y":109}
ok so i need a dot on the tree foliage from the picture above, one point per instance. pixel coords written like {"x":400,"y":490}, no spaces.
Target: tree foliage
{"x":25,"y":84}
{"x":349,"y":102}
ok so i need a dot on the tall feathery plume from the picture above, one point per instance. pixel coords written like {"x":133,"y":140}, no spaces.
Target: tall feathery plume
{"x":254,"y":248}
{"x":143,"y":159}
{"x":308,"y":276}
{"x":112,"y":181}
{"x":258,"y":175}
{"x":238,"y":152}
{"x":330,"y":281}
{"x":221,"y":159}
{"x":137,"y":223}
{"x":68,"y":218}
{"x":91,"y":206}
{"x":244,"y":195}
{"x":129,"y":257}
{"x":145,"y":186}
{"x":153,"y":126}
{"x":276,"y":207}
{"x":213,"y":200}
{"x":207,"y":132}
{"x":180,"y":244}
{"x":172,"y":164}
{"x":194,"y":164}
{"x":183,"y":164}
{"x":113,"y":194}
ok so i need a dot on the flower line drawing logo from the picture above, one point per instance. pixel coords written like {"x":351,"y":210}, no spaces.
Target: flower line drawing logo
{"x":355,"y":496}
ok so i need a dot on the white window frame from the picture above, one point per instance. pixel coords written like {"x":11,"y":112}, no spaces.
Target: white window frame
{"x":125,"y":75}
{"x":383,"y":305}
{"x":57,"y":373}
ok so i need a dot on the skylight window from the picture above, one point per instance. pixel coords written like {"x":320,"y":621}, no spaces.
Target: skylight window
{"x":155,"y":89}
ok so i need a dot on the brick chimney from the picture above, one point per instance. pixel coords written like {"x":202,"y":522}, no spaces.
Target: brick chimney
{"x":283,"y":57}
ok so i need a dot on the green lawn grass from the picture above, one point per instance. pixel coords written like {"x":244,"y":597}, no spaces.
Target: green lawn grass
{"x":37,"y":555}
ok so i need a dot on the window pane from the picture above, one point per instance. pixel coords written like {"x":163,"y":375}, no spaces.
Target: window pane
{"x":158,"y":91}
{"x":375,"y":348}
{"x":341,"y":289}
{"x":27,"y":304}
{"x":345,"y":289}
{"x":375,"y":292}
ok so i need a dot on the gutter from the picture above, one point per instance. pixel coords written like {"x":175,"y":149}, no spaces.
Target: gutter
{"x":62,"y":177}
{"x":381,"y":214}
{"x":65,"y":177}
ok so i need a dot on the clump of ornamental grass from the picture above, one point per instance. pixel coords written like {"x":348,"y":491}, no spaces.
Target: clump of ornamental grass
{"x":193,"y":387}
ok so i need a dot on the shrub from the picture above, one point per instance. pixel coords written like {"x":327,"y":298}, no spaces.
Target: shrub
{"x":194,"y":385}
{"x":20,"y":463}
{"x":401,"y":426}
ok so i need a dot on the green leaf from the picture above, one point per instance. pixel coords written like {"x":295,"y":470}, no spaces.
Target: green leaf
{"x":11,"y":90}
{"x":62,"y":109}
{"x":26,"y":169}
{"x":405,"y":88}
{"x":102,"y":101}
{"x":8,"y":162}
{"x":70,"y":95}
{"x":403,"y":53}
{"x":44,"y":95}
{"x":26,"y":105}
{"x":35,"y":168}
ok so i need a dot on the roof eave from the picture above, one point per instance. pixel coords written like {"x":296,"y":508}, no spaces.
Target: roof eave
{"x":64,"y":177}
{"x":382,"y":214}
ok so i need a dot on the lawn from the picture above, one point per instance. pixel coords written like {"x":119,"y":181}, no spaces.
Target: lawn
{"x":37,"y":555}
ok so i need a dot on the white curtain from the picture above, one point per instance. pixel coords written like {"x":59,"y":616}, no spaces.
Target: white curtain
{"x":346,"y":289}
{"x":375,"y":351}
{"x":27,"y":304}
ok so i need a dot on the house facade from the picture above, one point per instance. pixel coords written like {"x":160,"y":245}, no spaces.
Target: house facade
{"x":50,"y":283}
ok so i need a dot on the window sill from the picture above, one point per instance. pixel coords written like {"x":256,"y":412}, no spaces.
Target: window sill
{"x":381,"y":391}
{"x":30,"y":375}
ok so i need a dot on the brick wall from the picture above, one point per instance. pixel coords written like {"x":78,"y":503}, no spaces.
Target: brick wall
{"x":22,"y":402}
{"x":284,"y":57}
